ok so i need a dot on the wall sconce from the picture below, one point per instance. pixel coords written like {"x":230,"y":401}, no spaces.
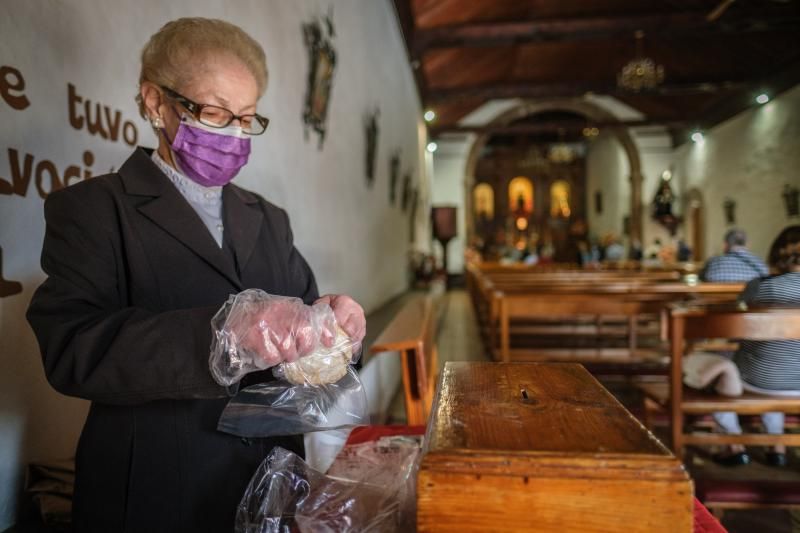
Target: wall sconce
{"x":729,"y":206}
{"x":791,"y":197}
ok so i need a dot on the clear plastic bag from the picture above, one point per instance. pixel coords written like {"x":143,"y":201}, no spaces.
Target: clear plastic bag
{"x":278,"y":408}
{"x":317,"y":388}
{"x":254,"y":331}
{"x":286,"y":495}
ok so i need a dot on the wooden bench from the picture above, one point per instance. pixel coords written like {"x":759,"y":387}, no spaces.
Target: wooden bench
{"x":486,"y":289}
{"x":607,"y":320}
{"x":412,"y":332}
{"x":689,"y":323}
{"x":630,"y":302}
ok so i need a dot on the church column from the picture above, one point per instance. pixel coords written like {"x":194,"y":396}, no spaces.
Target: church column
{"x":636,"y":206}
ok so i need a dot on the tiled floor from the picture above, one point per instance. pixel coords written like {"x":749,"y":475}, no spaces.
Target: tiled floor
{"x":458,"y":340}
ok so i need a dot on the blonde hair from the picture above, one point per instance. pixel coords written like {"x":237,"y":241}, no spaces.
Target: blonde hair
{"x":170,"y":57}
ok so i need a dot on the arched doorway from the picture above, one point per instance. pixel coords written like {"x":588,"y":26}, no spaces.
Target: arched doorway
{"x":591,"y":111}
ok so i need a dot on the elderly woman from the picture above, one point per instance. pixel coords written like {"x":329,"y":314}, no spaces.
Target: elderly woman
{"x":138,"y":262}
{"x":769,"y":367}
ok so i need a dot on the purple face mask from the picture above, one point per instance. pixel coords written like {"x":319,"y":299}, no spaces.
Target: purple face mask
{"x":209,"y":156}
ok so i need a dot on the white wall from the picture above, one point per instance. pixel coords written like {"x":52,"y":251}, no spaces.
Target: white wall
{"x":608,"y":171}
{"x":749,"y":159}
{"x":356,"y":242}
{"x":447,"y":187}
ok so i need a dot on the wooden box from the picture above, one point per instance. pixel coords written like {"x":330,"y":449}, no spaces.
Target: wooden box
{"x":543,"y":447}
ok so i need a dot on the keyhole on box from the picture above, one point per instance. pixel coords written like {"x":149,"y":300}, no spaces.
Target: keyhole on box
{"x":527,"y":398}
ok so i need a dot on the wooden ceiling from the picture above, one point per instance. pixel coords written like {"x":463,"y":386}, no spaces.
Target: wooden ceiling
{"x":717,"y":54}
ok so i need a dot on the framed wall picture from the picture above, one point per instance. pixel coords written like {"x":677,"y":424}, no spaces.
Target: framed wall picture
{"x":405,"y":195}
{"x":414,"y":208}
{"x":322,"y":64}
{"x":371,"y":138}
{"x":729,"y":208}
{"x":394,"y":175}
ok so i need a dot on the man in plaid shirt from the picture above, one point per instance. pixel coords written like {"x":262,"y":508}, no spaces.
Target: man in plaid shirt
{"x":736,"y":264}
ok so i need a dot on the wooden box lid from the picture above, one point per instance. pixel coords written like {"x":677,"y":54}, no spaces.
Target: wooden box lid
{"x":541,"y":408}
{"x":543,"y":446}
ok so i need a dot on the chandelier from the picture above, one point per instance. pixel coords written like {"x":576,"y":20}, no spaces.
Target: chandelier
{"x":640,"y":72}
{"x":561,"y":154}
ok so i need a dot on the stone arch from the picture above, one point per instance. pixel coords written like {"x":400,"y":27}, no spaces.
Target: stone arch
{"x":575,"y":105}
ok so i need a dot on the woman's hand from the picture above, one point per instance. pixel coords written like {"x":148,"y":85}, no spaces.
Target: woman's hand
{"x":285,"y":329}
{"x":349,"y":316}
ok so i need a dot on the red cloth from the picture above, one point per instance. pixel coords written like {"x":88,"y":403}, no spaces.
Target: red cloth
{"x":363,"y":434}
{"x":704,"y":522}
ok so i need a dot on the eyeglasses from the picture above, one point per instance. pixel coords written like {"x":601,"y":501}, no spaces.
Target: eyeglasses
{"x":219,"y":117}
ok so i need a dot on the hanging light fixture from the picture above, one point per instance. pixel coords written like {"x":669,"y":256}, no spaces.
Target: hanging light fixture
{"x":561,"y":153}
{"x":641,"y":72}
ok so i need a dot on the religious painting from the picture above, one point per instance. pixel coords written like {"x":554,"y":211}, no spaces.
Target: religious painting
{"x":520,"y":195}
{"x":405,"y":196}
{"x":729,"y":207}
{"x":483,"y":201}
{"x":322,"y":63}
{"x":414,"y":201}
{"x":394,"y":175}
{"x":559,"y":199}
{"x":371,"y":133}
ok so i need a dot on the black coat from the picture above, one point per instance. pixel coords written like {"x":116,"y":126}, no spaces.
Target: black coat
{"x":134,"y":277}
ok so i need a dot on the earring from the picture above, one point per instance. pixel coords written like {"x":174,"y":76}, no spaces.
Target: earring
{"x":156,"y":122}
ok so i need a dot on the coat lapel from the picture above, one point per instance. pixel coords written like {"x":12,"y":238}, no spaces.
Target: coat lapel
{"x":171,"y":212}
{"x":243,"y":220}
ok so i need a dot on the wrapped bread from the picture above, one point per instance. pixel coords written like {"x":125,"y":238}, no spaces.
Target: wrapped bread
{"x":325,"y":365}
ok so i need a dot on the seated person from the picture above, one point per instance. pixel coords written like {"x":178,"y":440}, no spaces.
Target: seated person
{"x":769,"y":367}
{"x":614,"y":250}
{"x":736,"y":264}
{"x":684,"y":251}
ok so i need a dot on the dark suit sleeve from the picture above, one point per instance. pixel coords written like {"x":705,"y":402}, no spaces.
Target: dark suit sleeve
{"x":300,"y":273}
{"x":92,"y":344}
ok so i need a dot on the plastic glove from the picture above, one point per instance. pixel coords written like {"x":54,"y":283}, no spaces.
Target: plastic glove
{"x":255,"y":330}
{"x":284,"y":329}
{"x":349,"y":315}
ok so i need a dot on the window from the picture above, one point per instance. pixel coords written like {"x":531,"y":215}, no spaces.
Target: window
{"x":559,"y":199}
{"x":483,"y":201}
{"x":520,"y":195}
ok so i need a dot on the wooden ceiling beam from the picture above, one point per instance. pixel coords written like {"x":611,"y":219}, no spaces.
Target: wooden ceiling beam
{"x":738,"y":101}
{"x":405,"y":16}
{"x":669,"y":24}
{"x":567,"y":89}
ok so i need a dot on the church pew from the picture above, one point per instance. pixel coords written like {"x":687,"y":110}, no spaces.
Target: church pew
{"x":688,"y":324}
{"x":412,"y":333}
{"x":530,"y":305}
